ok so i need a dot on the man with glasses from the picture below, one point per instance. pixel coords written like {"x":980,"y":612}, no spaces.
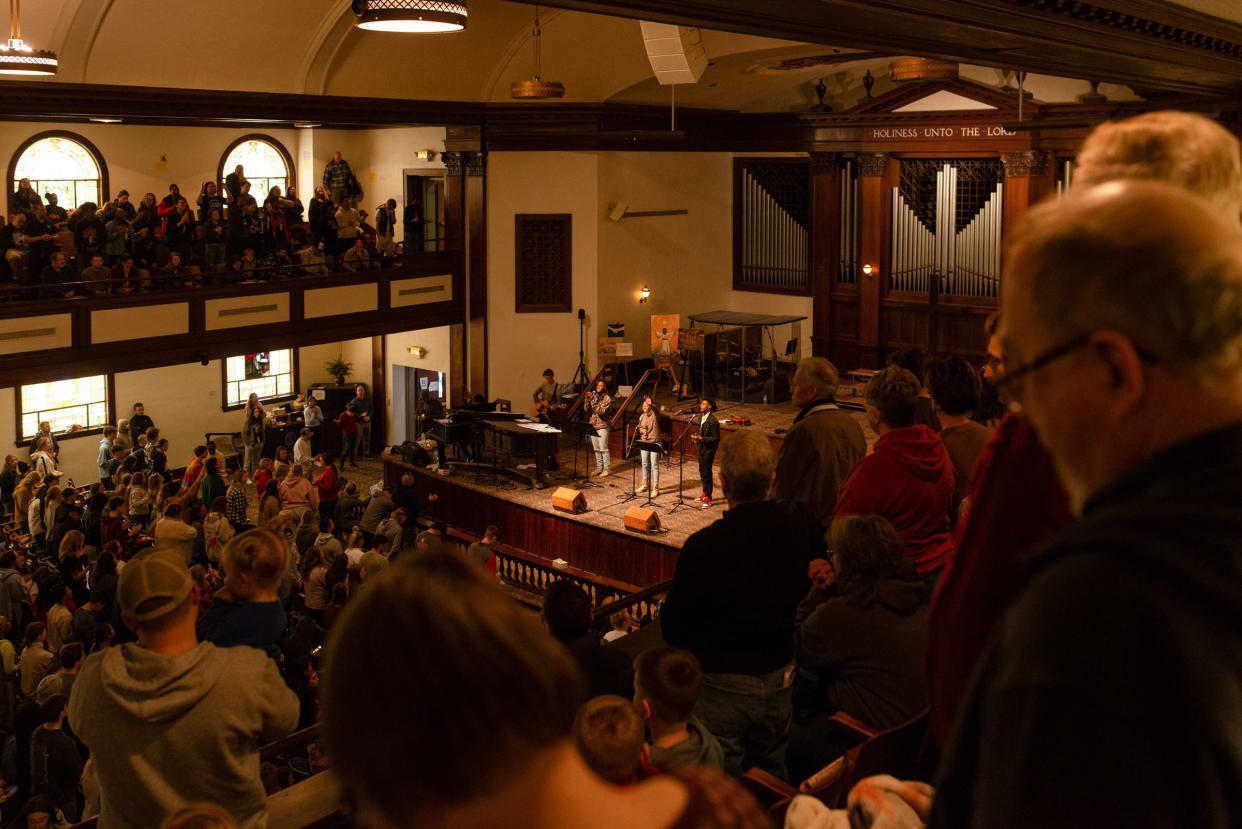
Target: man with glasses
{"x":1109,"y":692}
{"x":1017,"y":501}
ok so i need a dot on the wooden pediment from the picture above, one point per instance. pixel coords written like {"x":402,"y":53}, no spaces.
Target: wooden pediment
{"x":944,"y":96}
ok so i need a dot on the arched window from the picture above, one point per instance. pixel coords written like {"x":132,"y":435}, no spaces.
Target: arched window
{"x":61,"y":163}
{"x":266,"y":164}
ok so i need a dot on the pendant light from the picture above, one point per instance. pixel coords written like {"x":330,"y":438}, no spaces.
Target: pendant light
{"x":16,"y":58}
{"x":418,"y":16}
{"x":536,"y":88}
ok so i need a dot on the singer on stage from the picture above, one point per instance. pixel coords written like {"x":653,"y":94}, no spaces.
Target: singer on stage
{"x":649,"y":432}
{"x":598,"y":403}
{"x":708,"y":439}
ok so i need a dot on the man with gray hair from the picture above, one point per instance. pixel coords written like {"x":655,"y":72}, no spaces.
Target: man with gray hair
{"x":1016,"y":500}
{"x":823,"y":445}
{"x":1122,"y":330}
{"x":732,"y":603}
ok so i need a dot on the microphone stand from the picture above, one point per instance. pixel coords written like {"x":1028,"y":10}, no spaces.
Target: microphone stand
{"x":630,"y":494}
{"x":681,"y":467}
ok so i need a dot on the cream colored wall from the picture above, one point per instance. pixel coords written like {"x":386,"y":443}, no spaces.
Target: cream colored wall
{"x":183,"y":400}
{"x":685,"y":260}
{"x":133,"y":153}
{"x":436,"y":341}
{"x":521,"y":346}
{"x":311,"y":361}
{"x":378,"y":158}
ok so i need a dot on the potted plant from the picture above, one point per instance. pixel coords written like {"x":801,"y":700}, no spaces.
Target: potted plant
{"x":339,"y":369}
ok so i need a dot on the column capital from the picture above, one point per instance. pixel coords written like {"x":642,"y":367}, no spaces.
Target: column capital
{"x":452,"y":162}
{"x":476,"y":163}
{"x":1025,"y":163}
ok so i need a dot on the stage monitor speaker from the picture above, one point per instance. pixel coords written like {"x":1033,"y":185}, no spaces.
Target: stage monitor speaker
{"x":570,"y":500}
{"x":642,"y":520}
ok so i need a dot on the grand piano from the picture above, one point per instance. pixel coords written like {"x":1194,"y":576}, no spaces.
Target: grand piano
{"x":491,"y":435}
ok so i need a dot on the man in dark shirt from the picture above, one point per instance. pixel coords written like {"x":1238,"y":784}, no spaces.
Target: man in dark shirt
{"x":57,"y":217}
{"x":732,"y":604}
{"x":364,"y":410}
{"x":567,"y":615}
{"x":57,"y":278}
{"x":140,"y":421}
{"x":1108,"y":692}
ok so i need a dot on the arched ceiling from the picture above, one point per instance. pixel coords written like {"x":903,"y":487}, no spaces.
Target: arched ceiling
{"x":311,"y":46}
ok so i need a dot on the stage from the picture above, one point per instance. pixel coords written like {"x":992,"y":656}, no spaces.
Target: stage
{"x":596,"y":541}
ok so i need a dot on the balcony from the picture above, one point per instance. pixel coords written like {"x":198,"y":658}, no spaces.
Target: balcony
{"x":167,"y":325}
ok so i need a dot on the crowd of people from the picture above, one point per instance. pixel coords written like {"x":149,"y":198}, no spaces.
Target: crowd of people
{"x":1052,"y":593}
{"x":225,"y":235}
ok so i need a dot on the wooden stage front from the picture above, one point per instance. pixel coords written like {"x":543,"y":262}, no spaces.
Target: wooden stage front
{"x":596,"y":541}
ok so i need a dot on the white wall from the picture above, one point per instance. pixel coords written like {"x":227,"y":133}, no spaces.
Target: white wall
{"x":685,"y":260}
{"x":378,"y":158}
{"x":521,"y":346}
{"x":184,"y":401}
{"x":436,"y":341}
{"x":311,"y":361}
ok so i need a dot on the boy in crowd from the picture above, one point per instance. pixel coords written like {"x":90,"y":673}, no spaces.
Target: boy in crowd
{"x":55,"y":763}
{"x":246,"y":610}
{"x":666,"y":688}
{"x":608,"y":733}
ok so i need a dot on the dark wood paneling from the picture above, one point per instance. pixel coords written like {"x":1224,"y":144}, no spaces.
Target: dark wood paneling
{"x":617,"y":555}
{"x":825,"y":246}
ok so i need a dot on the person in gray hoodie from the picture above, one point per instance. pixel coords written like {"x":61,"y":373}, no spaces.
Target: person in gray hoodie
{"x":170,"y":720}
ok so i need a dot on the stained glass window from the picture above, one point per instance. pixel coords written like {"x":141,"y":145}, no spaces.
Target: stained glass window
{"x":263,"y":164}
{"x":66,"y":403}
{"x":62,"y":166}
{"x":267,"y":373}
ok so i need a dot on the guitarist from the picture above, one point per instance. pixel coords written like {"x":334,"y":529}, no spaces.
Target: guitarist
{"x":547,"y":395}
{"x":707,"y":440}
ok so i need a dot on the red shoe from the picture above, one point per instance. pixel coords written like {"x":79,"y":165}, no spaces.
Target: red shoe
{"x":707,"y":502}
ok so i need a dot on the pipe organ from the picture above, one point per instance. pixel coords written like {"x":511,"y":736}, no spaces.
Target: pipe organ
{"x":774,"y":244}
{"x":947,"y":226}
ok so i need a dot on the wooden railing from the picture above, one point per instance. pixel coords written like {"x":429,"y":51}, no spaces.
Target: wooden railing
{"x":533,"y":574}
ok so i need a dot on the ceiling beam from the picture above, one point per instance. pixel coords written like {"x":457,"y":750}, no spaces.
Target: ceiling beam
{"x":1141,"y":43}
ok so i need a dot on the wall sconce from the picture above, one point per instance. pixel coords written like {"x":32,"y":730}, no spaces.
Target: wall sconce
{"x":867,"y":269}
{"x":426,"y":155}
{"x":418,"y":351}
{"x":644,"y":294}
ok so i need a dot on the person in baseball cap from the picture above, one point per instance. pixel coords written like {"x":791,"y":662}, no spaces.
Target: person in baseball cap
{"x":153,"y":586}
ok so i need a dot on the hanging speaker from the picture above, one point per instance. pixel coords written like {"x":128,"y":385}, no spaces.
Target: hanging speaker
{"x":642,"y":520}
{"x":569,"y":500}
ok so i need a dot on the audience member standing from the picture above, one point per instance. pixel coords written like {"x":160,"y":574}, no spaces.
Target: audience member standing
{"x":908,"y":478}
{"x":823,"y":445}
{"x":1121,"y":651}
{"x":171,"y":720}
{"x":732,"y":602}
{"x":336,"y":176}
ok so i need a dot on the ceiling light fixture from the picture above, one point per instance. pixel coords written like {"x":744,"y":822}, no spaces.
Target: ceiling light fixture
{"x":536,"y":88}
{"x":16,"y":58}
{"x":419,"y":16}
{"x":103,"y":120}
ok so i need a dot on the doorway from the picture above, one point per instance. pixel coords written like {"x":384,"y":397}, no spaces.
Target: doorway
{"x":424,"y":213}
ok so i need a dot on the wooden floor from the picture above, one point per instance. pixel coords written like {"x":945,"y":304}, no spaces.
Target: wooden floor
{"x":595,"y":541}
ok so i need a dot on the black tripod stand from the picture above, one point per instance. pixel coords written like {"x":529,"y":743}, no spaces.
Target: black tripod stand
{"x":581,"y":370}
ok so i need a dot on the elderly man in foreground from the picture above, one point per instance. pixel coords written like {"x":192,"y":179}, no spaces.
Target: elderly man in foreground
{"x":1111,"y":691}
